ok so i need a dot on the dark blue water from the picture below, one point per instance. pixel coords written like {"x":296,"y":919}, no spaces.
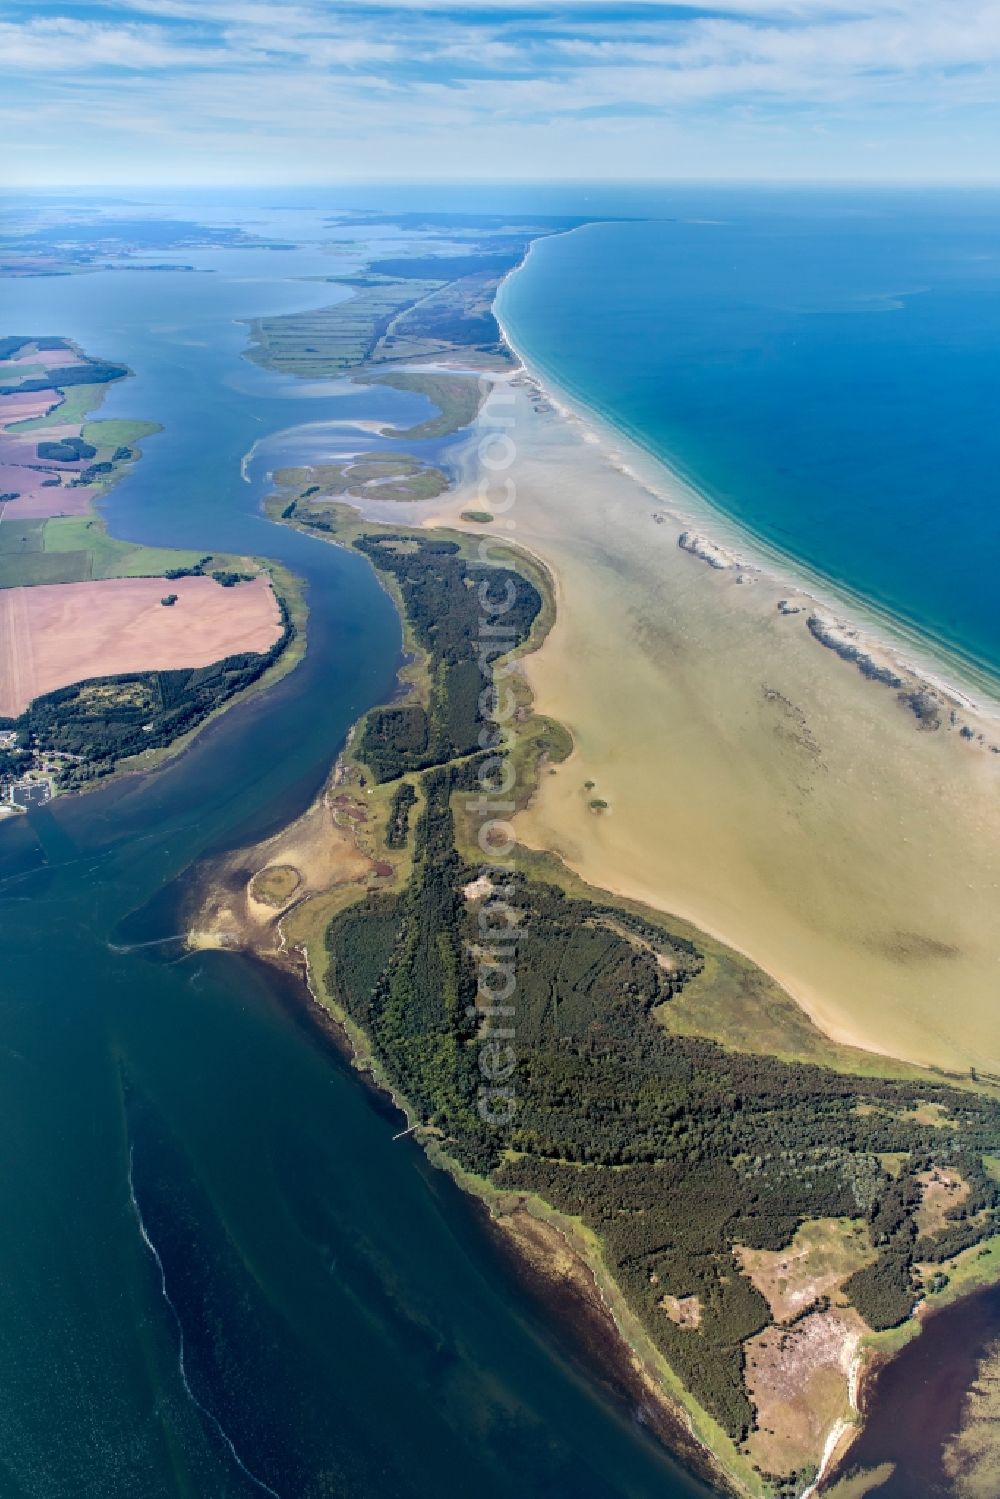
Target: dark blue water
{"x":825,"y":367}
{"x":219,"y":1275}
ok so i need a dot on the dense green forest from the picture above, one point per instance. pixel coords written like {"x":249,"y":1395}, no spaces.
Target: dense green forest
{"x":91,"y":372}
{"x":398,"y":823}
{"x":443,"y":597}
{"x":107,"y":719}
{"x":12,"y":343}
{"x":672,"y":1149}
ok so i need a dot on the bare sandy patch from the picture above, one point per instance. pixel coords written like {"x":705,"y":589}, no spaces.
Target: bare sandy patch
{"x":253,"y":889}
{"x":941,"y":1189}
{"x":684,"y":1310}
{"x":798,"y":1380}
{"x":56,"y":634}
{"x":819,"y":1259}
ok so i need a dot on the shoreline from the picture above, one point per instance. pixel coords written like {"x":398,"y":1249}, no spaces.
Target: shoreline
{"x":541,"y":1249}
{"x":545,"y":1250}
{"x":285,"y":587}
{"x":579,"y":517}
{"x":635,"y":1368}
{"x":297,"y":954}
{"x":944,"y":667}
{"x":579,"y":513}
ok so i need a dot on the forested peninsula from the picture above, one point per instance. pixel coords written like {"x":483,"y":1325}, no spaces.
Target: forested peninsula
{"x":761,"y":1215}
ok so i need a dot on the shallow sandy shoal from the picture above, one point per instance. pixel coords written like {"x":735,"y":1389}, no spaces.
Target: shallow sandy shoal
{"x":757,"y":784}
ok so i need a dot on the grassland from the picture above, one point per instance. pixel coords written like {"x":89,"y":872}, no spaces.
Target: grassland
{"x":426,"y":307}
{"x":84,"y":547}
{"x":369,"y":476}
{"x":17,"y":538}
{"x":118,"y":432}
{"x":330,"y":340}
{"x":457,"y":397}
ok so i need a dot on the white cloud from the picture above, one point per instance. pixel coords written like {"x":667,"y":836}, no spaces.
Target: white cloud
{"x":54,"y":45}
{"x":258,"y":77}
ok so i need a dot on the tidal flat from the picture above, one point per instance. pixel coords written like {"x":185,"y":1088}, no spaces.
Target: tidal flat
{"x":755,"y":782}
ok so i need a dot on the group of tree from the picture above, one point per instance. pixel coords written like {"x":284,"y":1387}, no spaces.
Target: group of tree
{"x":107,"y":719}
{"x":671,"y":1149}
{"x":447,"y":612}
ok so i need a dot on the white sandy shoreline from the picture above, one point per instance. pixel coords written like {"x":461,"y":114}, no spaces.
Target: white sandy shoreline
{"x":757,"y":784}
{"x":915,"y":653}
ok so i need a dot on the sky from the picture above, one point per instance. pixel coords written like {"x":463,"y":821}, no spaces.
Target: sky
{"x":163,"y":92}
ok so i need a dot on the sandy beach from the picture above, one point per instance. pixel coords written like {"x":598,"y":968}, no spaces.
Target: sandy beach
{"x":757,"y":783}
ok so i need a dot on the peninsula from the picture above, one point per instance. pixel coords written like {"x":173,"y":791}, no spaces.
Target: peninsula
{"x":766,"y":1195}
{"x":109,"y":651}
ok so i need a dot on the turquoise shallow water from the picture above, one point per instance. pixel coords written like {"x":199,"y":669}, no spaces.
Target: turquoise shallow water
{"x":324,"y":1313}
{"x":824,"y":367}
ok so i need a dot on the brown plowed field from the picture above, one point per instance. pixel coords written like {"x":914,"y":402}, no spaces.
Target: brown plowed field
{"x":56,"y":634}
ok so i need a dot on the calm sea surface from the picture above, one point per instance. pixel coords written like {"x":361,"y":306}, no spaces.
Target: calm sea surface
{"x":825,"y":368}
{"x":218,"y":1275}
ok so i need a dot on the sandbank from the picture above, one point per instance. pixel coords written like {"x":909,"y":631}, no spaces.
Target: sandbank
{"x":757,"y":783}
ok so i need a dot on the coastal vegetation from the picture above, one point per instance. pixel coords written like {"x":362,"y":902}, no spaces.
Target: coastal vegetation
{"x":695,"y":1166}
{"x":367,"y":476}
{"x":457,"y":398}
{"x":87,"y":729}
{"x":332,"y":339}
{"x":51,"y":535}
{"x":420,"y":306}
{"x":443,"y":607}
{"x":674,"y":1152}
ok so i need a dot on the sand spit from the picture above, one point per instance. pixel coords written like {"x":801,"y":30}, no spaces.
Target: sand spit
{"x":759,"y":781}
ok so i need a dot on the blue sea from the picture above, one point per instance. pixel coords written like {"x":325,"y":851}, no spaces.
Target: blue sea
{"x":823,"y":366}
{"x":219,"y":1272}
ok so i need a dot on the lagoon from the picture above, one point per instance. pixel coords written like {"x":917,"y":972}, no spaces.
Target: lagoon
{"x":219,"y":1276}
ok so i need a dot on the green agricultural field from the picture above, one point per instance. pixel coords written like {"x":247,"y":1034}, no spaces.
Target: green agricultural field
{"x":118,"y":433}
{"x":20,"y":536}
{"x":26,"y":570}
{"x":329,"y":340}
{"x":107,"y":557}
